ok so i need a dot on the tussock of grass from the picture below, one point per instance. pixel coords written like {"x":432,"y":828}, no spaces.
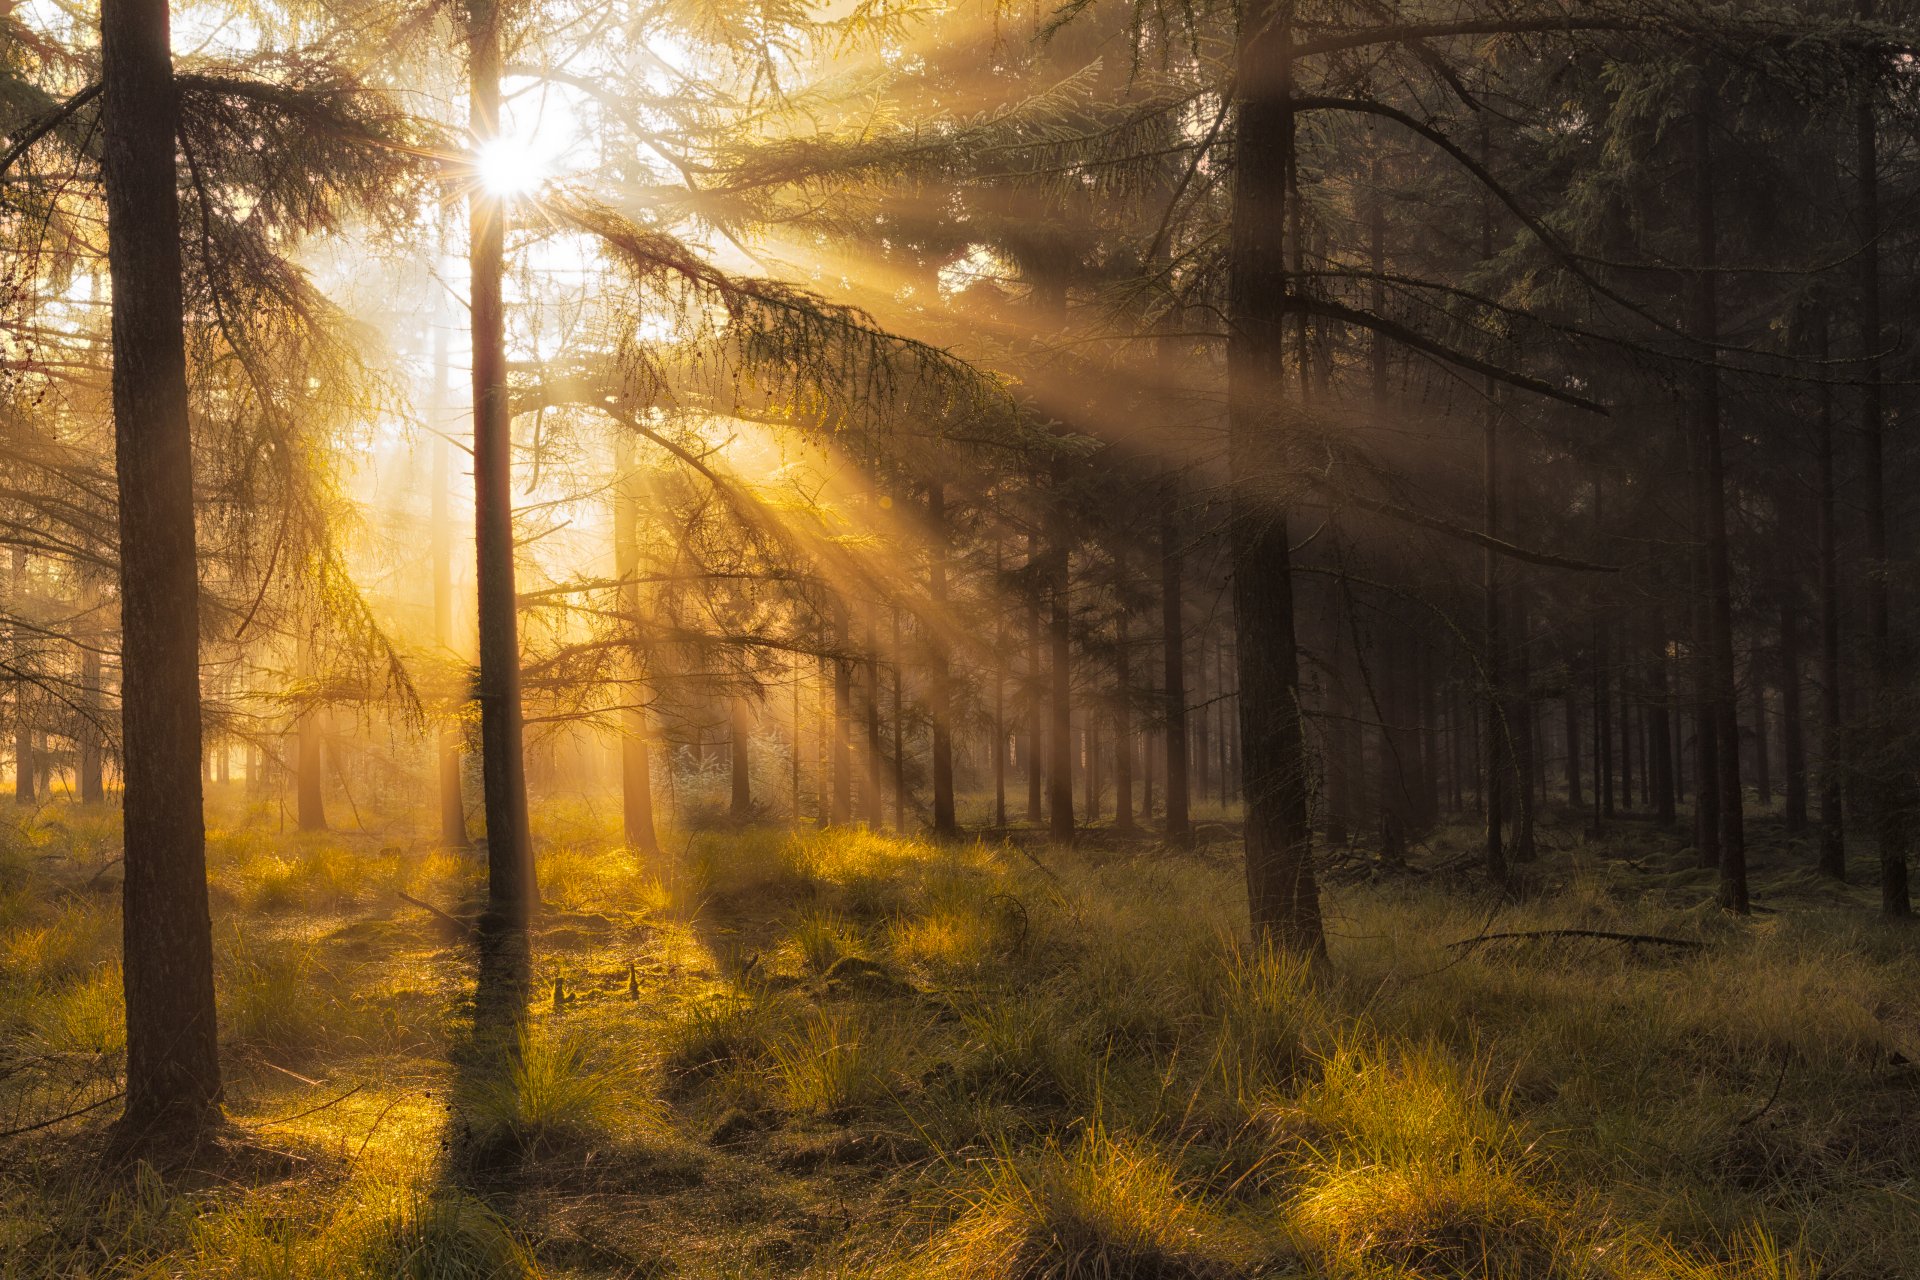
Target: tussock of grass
{"x":836,"y":1061}
{"x":556,"y":1093}
{"x":1099,"y":1207}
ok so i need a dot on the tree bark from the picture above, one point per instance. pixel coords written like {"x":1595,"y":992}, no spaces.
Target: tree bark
{"x":1704,"y":305}
{"x":172,"y":1065}
{"x":1833,"y":843}
{"x":511,"y":888}
{"x":939,"y":688}
{"x":1283,"y":900}
{"x":1173,"y":642}
{"x":636,"y":764}
{"x":1060,"y":731}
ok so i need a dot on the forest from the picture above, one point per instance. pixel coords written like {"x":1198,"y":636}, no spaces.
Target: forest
{"x":994,"y":639}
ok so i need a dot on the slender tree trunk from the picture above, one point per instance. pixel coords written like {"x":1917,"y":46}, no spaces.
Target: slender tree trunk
{"x":1524,"y":849}
{"x":1036,"y":733}
{"x":1706,"y":327}
{"x":1833,"y":847}
{"x":841,"y":811}
{"x":23,"y":761}
{"x":453,"y":810}
{"x":1060,"y":732}
{"x":1892,"y":801}
{"x":939,"y":690}
{"x":1283,"y":900}
{"x":899,"y":732}
{"x":1762,"y":765}
{"x":739,"y":758}
{"x":1572,"y":702}
{"x":1660,"y":741}
{"x":1793,"y":726}
{"x":172,"y":1063}
{"x":511,"y":889}
{"x":92,"y":721}
{"x":1000,"y":744}
{"x":1173,"y":623}
{"x":636,"y":763}
{"x":1122,"y":717}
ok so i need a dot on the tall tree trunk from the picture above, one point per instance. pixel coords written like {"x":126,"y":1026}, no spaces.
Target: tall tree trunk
{"x":310,"y":765}
{"x":23,"y":761}
{"x":511,"y":889}
{"x":899,"y":731}
{"x":1173,"y":642}
{"x":1524,"y":849}
{"x":1660,"y":742}
{"x":1704,"y":306}
{"x":172,"y":1063}
{"x":1762,"y":765}
{"x":92,"y":723}
{"x":1060,"y":731}
{"x":1283,"y":900}
{"x":1000,"y":744}
{"x":1036,"y":732}
{"x":636,"y":764}
{"x":1833,"y":844}
{"x":1122,"y":716}
{"x":1572,"y":717}
{"x":739,"y":758}
{"x":1793,"y":726}
{"x":939,"y":688}
{"x":1892,"y":801}
{"x":840,"y":812}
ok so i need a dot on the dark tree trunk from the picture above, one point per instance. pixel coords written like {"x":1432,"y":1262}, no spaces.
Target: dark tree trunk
{"x":172,"y":1063}
{"x":1793,"y":725}
{"x":1060,"y":731}
{"x":939,"y":690}
{"x":1283,"y":900}
{"x":1704,"y":305}
{"x":1762,"y":765}
{"x":1660,"y":741}
{"x":739,"y":759}
{"x":1122,"y":716}
{"x":23,"y":761}
{"x":1036,"y":733}
{"x":1892,"y":800}
{"x":1524,"y":849}
{"x":999,"y":699}
{"x":1572,"y":716}
{"x":1173,"y":641}
{"x":636,"y":764}
{"x":841,"y":810}
{"x":1833,"y":844}
{"x":511,"y":890}
{"x":92,"y":724}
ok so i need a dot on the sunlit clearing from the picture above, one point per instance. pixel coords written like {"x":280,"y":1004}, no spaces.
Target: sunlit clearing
{"x":510,"y":166}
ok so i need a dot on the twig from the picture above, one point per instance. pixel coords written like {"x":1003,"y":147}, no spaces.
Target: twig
{"x":1773,"y":1097}
{"x":301,"y":1115}
{"x":1604,"y":935}
{"x":453,"y":920}
{"x":78,"y":1111}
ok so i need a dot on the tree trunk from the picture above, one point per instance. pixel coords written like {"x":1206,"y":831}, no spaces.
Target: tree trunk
{"x":841,"y":811}
{"x":1122,"y":717}
{"x":23,"y":761}
{"x":1660,"y":742}
{"x":1762,"y":765}
{"x":453,"y":809}
{"x":1283,"y":900}
{"x":636,"y":764}
{"x":739,"y":758}
{"x":1572,"y":702}
{"x":939,"y":689}
{"x":1706,"y":327}
{"x":1060,"y":731}
{"x":1036,"y":734}
{"x":1892,"y":801}
{"x":511,"y":889}
{"x":1833,"y":843}
{"x":1173,"y":642}
{"x":1000,"y":743}
{"x":172,"y":1063}
{"x":1793,"y":727}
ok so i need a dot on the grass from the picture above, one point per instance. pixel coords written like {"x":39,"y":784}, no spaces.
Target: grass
{"x":842,"y":1054}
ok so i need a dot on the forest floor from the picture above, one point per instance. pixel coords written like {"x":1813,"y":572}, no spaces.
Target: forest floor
{"x":848,"y":1054}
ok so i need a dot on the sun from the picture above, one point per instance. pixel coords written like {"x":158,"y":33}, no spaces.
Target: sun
{"x":510,"y":166}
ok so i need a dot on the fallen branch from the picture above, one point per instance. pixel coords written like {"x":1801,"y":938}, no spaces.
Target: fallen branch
{"x":451,"y":919}
{"x":78,"y":1111}
{"x":1687,"y":944}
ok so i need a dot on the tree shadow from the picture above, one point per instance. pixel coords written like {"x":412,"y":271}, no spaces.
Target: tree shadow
{"x":481,"y":1158}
